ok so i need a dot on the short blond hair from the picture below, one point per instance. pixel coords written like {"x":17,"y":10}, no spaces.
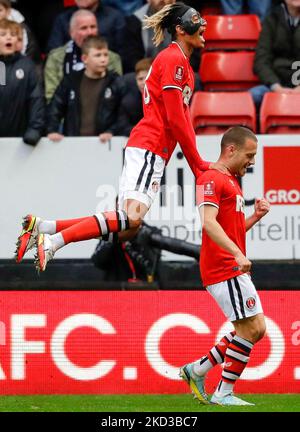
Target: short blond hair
{"x":6,"y":24}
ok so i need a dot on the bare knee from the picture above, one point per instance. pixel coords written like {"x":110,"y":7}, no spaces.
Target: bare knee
{"x":261,"y":331}
{"x":136,"y":212}
{"x":256,"y":333}
{"x":135,"y":223}
{"x":252,"y":329}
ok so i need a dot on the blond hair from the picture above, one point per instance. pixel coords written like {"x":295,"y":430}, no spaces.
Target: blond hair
{"x":157,"y":23}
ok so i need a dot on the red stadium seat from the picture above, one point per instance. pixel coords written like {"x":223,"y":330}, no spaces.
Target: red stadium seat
{"x":213,"y":113}
{"x":232,"y":32}
{"x":227,"y":71}
{"x":280,"y":113}
{"x":68,"y":3}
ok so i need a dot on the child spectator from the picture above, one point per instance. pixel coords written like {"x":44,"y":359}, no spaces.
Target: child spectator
{"x":29,"y":45}
{"x":22,"y":106}
{"x":67,"y":58}
{"x":87,"y":100}
{"x":131,"y":108}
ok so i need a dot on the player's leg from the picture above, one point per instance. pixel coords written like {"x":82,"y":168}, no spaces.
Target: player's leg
{"x":101,"y":224}
{"x":241,"y":304}
{"x":248,"y":332}
{"x":194,"y":373}
{"x":136,"y":212}
{"x":98,"y":225}
{"x":252,"y":328}
{"x":33,"y":225}
{"x":63,"y":232}
{"x":140,"y":183}
{"x":142,"y":171}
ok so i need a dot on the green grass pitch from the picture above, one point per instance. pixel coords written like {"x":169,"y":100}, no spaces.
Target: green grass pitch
{"x":143,"y":403}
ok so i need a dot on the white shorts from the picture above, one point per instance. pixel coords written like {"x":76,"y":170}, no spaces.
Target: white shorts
{"x":237,"y":297}
{"x":141,"y":176}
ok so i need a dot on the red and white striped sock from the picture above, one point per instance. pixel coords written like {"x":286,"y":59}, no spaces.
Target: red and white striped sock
{"x":102,"y":224}
{"x":236,"y":358}
{"x":215,"y":355}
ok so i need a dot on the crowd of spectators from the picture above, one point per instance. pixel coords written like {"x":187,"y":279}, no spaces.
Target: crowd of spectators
{"x":78,"y":67}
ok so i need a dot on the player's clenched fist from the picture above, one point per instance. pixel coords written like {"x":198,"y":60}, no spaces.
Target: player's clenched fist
{"x":243,"y":263}
{"x":261,"y":207}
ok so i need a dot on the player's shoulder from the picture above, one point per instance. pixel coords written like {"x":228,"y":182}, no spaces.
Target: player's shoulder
{"x":170,"y":54}
{"x":210,"y":175}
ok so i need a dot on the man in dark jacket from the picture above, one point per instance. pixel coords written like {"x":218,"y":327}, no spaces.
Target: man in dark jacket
{"x":88,"y":100}
{"x":22,"y":105}
{"x":277,"y":51}
{"x":67,"y":58}
{"x":110,"y":22}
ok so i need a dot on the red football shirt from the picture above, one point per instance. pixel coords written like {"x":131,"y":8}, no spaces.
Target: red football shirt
{"x":224,"y":192}
{"x":170,"y":69}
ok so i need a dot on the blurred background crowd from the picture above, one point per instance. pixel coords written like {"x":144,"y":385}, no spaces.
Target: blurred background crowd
{"x":77,"y":67}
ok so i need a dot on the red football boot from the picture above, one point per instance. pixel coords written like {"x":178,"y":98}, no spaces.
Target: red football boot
{"x":28,"y":236}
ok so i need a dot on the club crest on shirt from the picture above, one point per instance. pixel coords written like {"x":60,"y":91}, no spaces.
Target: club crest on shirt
{"x":209,"y":188}
{"x":155,"y":186}
{"x":179,"y":73}
{"x":250,"y":303}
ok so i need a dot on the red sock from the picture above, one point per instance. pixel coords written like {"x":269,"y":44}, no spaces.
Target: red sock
{"x":215,"y":355}
{"x":84,"y":230}
{"x":96,"y":226}
{"x":66,"y":223}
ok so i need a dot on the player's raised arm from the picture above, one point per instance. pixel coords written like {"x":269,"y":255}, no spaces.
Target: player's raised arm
{"x":182,"y":130}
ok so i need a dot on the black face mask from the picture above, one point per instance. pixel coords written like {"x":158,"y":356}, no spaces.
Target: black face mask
{"x":190,"y":21}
